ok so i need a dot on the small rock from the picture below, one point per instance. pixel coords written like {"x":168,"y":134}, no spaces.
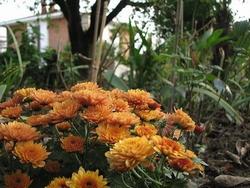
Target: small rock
{"x":231,"y":181}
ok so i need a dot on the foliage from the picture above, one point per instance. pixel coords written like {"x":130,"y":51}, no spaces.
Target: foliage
{"x":24,"y":65}
{"x":126,"y":132}
{"x":195,"y":81}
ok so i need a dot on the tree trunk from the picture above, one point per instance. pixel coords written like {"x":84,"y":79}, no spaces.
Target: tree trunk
{"x":82,"y":42}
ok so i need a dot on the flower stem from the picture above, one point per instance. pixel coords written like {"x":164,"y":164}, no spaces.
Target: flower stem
{"x":147,"y":176}
{"x":77,"y":158}
{"x":134,"y":171}
{"x":124,"y":182}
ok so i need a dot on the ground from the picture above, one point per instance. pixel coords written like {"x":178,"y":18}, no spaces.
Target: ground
{"x":221,"y":153}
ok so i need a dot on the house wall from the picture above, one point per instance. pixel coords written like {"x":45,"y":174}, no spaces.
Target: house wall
{"x":18,"y":30}
{"x":58,"y":33}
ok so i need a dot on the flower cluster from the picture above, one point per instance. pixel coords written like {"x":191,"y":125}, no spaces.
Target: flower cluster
{"x":88,"y":126}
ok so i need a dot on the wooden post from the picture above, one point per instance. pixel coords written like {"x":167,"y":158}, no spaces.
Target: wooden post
{"x":97,"y":51}
{"x":93,"y":64}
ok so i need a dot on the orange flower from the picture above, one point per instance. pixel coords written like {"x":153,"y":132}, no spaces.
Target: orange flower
{"x":123,"y":119}
{"x":111,"y":133}
{"x":128,"y":153}
{"x":58,"y":183}
{"x":17,"y":180}
{"x":167,"y":146}
{"x":64,"y":110}
{"x":185,"y":164}
{"x":30,"y":152}
{"x":36,"y":120}
{"x":11,"y":102}
{"x":42,"y":96}
{"x":63,"y":126}
{"x":137,"y":96}
{"x":119,"y":94}
{"x":84,"y":86}
{"x":63,"y":96}
{"x":87,"y":179}
{"x":96,"y":114}
{"x":25,"y":92}
{"x":90,"y":97}
{"x":17,"y":131}
{"x":34,"y":105}
{"x":181,"y":119}
{"x":12,"y":112}
{"x":52,"y":166}
{"x":146,"y":129}
{"x":72,"y":143}
{"x":149,"y":115}
{"x":120,"y":105}
{"x":171,"y":148}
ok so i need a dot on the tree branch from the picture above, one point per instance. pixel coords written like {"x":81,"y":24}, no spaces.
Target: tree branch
{"x":63,"y":6}
{"x":140,"y":4}
{"x":117,"y":10}
{"x":123,"y":4}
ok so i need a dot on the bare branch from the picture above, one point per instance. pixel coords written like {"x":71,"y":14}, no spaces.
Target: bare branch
{"x":123,"y":4}
{"x":117,"y":10}
{"x":140,"y":4}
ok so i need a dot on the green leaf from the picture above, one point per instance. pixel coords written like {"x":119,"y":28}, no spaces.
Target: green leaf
{"x":228,"y":108}
{"x":200,"y":161}
{"x":2,"y":91}
{"x":115,"y":80}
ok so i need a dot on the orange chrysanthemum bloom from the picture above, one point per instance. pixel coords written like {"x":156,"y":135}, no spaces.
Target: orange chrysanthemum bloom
{"x":72,"y":143}
{"x":36,"y":120}
{"x":185,"y":164}
{"x":87,"y":179}
{"x":149,"y":115}
{"x":96,"y":114}
{"x":64,"y":110}
{"x":17,"y":131}
{"x":58,"y":183}
{"x":171,"y":148}
{"x":137,"y":96}
{"x":25,"y":92}
{"x":181,"y":119}
{"x":119,"y":94}
{"x":12,"y":112}
{"x":128,"y":153}
{"x":11,"y":102}
{"x":30,"y":152}
{"x":123,"y":118}
{"x":34,"y":105}
{"x":63,"y":126}
{"x":167,"y":146}
{"x":44,"y":97}
{"x":52,"y":166}
{"x":90,"y":97}
{"x":63,"y":96}
{"x":17,"y":180}
{"x":146,"y":129}
{"x":120,"y":105}
{"x":84,"y":86}
{"x":111,"y":133}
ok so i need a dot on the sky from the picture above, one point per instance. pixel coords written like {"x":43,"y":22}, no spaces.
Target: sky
{"x":10,"y":10}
